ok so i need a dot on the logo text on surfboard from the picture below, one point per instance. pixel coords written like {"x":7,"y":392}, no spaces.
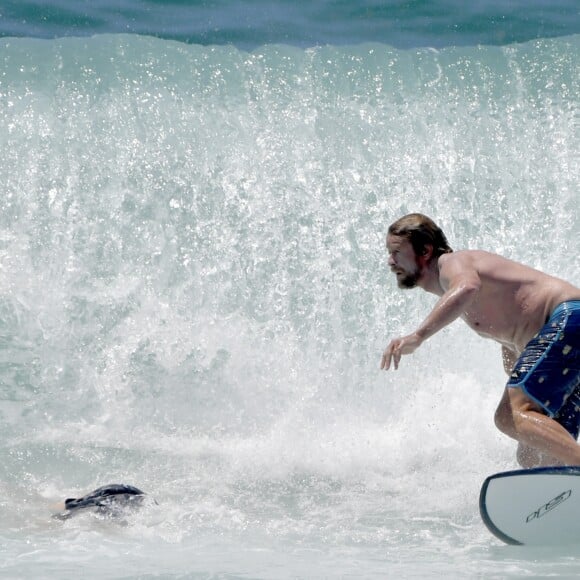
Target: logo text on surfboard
{"x":552,"y":504}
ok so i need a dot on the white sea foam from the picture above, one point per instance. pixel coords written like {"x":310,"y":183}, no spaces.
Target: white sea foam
{"x":195,"y":298}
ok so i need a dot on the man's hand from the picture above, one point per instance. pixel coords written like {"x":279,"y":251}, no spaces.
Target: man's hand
{"x":398,"y":347}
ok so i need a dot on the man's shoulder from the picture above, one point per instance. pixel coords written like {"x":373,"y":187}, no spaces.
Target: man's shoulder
{"x":490,"y":265}
{"x":458,"y":257}
{"x":470,"y":257}
{"x":470,"y":263}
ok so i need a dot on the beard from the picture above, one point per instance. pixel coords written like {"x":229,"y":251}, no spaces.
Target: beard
{"x":408,"y":280}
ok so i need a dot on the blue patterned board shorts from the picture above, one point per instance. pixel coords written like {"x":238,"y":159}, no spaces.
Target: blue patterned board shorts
{"x":548,"y":370}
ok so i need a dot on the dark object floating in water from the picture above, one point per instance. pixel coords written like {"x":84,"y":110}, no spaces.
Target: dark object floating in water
{"x":111,"y":500}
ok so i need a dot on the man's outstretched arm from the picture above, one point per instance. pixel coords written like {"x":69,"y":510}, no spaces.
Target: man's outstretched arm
{"x":461,"y":283}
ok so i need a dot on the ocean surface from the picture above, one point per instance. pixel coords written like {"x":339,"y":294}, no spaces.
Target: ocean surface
{"x":194,"y":295}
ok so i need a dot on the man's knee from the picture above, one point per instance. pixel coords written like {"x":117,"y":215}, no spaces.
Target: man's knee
{"x":505,"y":418}
{"x":503,"y":423}
{"x":513,"y":411}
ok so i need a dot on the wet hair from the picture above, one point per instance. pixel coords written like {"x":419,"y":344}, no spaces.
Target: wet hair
{"x":421,"y":231}
{"x":108,"y":501}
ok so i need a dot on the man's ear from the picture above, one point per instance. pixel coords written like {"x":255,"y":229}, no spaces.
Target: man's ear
{"x":426,"y":253}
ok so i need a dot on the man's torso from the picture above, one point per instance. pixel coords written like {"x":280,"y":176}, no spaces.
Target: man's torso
{"x":514,"y":300}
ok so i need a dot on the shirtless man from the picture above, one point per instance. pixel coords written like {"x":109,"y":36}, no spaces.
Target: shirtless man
{"x":534,"y":316}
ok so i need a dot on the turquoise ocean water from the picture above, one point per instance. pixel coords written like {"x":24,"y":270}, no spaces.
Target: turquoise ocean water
{"x":193,"y":287}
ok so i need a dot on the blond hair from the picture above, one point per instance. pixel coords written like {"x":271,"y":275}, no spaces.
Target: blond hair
{"x":421,"y":231}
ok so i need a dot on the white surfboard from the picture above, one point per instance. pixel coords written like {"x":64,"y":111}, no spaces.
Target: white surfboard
{"x":533,"y":506}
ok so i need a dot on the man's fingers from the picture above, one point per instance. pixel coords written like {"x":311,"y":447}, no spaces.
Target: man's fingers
{"x":397,"y":357}
{"x":391,"y":354}
{"x":397,"y":348}
{"x":386,"y":360}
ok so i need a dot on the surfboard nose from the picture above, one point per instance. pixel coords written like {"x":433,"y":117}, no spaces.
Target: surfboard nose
{"x":538,"y":506}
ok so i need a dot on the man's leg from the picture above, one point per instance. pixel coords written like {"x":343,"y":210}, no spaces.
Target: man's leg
{"x":529,"y":457}
{"x":542,"y":441}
